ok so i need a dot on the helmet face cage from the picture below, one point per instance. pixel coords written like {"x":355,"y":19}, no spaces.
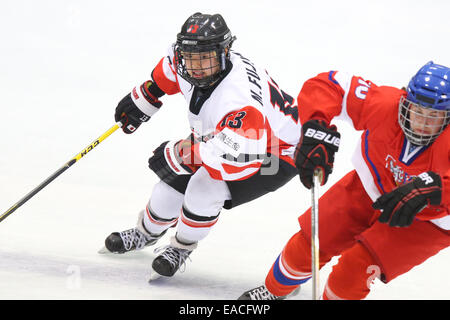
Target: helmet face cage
{"x":421,"y":125}
{"x":200,"y":65}
{"x":202,"y":49}
{"x":425,"y":111}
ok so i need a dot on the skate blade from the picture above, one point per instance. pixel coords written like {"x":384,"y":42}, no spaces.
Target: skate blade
{"x":103,"y":250}
{"x":154,"y":276}
{"x":295,"y":292}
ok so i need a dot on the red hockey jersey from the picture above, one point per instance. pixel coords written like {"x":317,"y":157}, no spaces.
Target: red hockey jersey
{"x":384,"y":158}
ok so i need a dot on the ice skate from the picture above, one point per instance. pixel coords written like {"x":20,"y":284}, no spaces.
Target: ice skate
{"x":171,"y":259}
{"x":261,"y":293}
{"x":129,"y":240}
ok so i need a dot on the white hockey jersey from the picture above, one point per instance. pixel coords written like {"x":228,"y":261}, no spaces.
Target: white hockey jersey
{"x":244,"y":118}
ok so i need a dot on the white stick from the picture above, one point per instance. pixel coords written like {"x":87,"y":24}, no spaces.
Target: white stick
{"x":317,"y":180}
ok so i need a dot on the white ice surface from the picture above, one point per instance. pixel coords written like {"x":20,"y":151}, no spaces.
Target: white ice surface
{"x":65,"y":65}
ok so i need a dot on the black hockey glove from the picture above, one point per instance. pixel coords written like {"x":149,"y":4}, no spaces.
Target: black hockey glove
{"x":172,"y":159}
{"x":316,"y":149}
{"x":130,"y":114}
{"x":402,"y":204}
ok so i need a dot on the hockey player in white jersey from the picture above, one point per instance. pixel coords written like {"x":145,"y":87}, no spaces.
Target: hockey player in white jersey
{"x":244,"y":133}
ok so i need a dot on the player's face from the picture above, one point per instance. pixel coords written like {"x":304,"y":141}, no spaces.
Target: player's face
{"x":201,"y":65}
{"x":425,"y":121}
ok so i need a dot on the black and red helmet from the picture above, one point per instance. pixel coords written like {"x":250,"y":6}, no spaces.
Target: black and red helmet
{"x":203,"y":33}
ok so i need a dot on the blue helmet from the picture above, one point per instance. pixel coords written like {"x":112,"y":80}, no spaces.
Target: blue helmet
{"x":430,"y":87}
{"x":425,"y":111}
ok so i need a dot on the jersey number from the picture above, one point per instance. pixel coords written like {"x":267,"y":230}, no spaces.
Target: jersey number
{"x":284,"y":102}
{"x":233,"y":120}
{"x":361,"y":90}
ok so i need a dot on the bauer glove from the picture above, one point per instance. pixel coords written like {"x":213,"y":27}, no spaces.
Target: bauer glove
{"x":402,"y":204}
{"x":137,"y":107}
{"x":316,"y":149}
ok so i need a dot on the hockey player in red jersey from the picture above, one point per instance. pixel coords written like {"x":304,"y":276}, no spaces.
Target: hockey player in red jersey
{"x":392,"y":212}
{"x":244,"y":130}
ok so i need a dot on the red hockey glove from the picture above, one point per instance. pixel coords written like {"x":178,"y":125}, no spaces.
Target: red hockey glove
{"x":137,"y":107}
{"x":172,"y":159}
{"x":402,"y":204}
{"x":316,"y":149}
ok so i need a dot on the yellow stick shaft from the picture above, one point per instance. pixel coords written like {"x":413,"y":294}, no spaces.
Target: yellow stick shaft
{"x":97,"y":141}
{"x":66,"y":166}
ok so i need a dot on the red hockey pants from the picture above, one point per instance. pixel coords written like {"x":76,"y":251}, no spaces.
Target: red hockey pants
{"x":348,"y":227}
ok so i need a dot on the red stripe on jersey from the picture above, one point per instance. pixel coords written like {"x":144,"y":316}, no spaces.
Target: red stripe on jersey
{"x":247,"y":176}
{"x":247,"y":122}
{"x":166,"y":85}
{"x":215,"y":174}
{"x":232,"y":169}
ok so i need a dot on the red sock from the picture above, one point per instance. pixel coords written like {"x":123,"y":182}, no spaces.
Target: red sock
{"x":352,"y":275}
{"x":292,"y":267}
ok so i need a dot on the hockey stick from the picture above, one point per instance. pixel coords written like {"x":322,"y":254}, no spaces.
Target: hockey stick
{"x":317,"y":181}
{"x":66,"y":166}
